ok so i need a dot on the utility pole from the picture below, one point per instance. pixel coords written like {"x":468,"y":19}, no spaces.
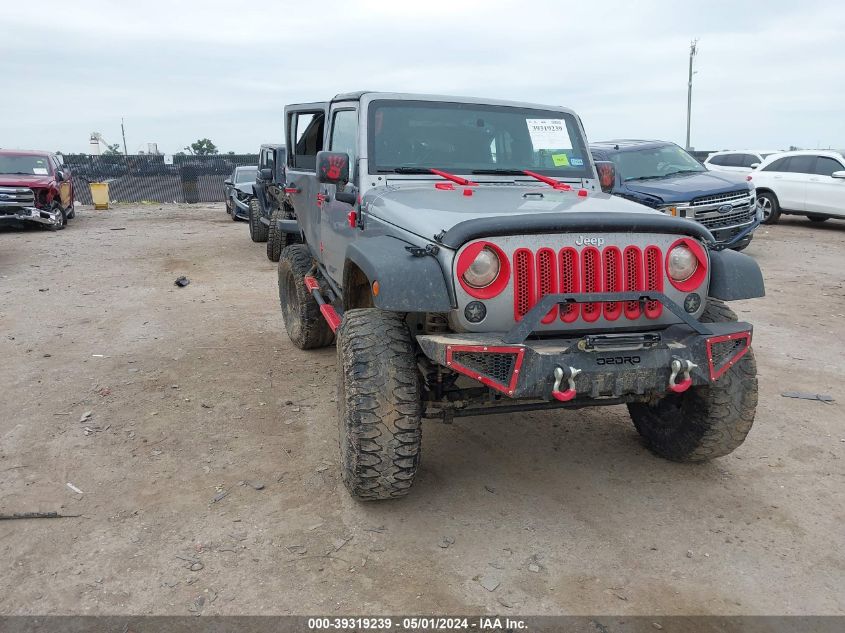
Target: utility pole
{"x":126,"y":153}
{"x":693,"y":50}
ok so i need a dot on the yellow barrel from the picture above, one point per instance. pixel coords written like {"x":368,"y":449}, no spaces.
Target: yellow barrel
{"x":100,"y":194}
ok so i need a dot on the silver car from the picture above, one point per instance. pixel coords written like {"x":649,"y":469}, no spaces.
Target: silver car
{"x":238,"y":191}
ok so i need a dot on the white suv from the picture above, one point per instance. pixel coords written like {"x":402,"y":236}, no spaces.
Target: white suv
{"x":805,"y":182}
{"x":737,"y":160}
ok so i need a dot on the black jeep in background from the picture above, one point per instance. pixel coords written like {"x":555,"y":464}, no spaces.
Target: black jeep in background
{"x":270,"y":204}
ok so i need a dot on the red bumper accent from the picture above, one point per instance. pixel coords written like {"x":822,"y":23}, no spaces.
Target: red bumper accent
{"x":311,"y":283}
{"x":505,"y":388}
{"x":717,"y":369}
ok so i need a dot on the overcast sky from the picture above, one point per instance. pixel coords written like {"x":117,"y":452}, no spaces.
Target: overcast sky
{"x":769,"y":75}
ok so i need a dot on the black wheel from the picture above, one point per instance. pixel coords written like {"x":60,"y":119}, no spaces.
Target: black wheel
{"x":257,"y":230}
{"x":818,"y":218}
{"x":378,"y":403}
{"x":277,"y":240}
{"x":62,"y":223}
{"x":706,"y":421}
{"x":233,"y":210}
{"x":768,"y":204}
{"x":304,"y":323}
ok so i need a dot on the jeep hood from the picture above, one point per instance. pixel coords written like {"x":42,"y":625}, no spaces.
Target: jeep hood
{"x":426,"y":211}
{"x":685,"y":187}
{"x":24,"y":180}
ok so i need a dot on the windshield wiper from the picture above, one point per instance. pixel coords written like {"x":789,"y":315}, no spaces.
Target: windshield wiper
{"x":497,"y":172}
{"x":645,"y":178}
{"x":671,"y":173}
{"x":430,"y":170}
{"x":561,"y":186}
{"x":405,"y":170}
{"x":684,"y":171}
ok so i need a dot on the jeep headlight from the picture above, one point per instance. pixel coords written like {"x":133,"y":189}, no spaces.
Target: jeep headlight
{"x":681,"y":263}
{"x":483,"y":270}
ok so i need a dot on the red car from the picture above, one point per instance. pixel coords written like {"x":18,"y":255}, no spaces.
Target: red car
{"x":34,"y":188}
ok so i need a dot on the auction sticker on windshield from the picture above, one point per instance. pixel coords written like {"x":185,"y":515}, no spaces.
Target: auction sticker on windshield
{"x":548,"y":133}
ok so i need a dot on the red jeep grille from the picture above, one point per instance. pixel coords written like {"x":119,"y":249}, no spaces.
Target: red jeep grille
{"x":590,"y":271}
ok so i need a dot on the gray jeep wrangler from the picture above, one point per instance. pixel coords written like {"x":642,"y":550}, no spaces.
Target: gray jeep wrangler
{"x":466,"y":259}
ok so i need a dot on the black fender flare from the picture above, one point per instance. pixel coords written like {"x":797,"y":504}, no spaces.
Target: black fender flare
{"x":407,"y":283}
{"x":258,"y":193}
{"x":735,"y":276}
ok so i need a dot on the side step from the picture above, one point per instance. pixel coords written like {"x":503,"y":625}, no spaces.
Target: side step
{"x":329,"y":313}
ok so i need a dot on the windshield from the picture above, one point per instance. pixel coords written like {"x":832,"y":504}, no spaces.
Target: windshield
{"x":246,"y":175}
{"x":24,"y":164}
{"x":466,"y":138}
{"x":655,"y":162}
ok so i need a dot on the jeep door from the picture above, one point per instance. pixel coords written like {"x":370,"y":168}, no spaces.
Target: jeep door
{"x":336,"y":231}
{"x":826,"y":194}
{"x":306,"y":131}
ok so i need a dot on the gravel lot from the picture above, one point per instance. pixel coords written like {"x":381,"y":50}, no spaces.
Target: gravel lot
{"x":197,"y":399}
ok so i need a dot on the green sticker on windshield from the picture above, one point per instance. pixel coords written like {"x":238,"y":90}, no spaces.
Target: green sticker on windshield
{"x":560,"y":160}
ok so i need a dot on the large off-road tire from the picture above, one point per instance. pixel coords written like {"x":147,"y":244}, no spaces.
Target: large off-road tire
{"x":278,"y":240}
{"x":304,"y":323}
{"x":257,"y":230}
{"x":378,"y":402}
{"x":768,"y":202}
{"x":706,"y":421}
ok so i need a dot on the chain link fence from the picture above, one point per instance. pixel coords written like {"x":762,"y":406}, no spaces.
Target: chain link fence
{"x":147,"y":177}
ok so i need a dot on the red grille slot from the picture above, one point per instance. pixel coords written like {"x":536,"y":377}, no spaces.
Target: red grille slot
{"x":612,"y":281}
{"x":653,"y":280}
{"x":523,"y":282}
{"x":547,"y":279}
{"x":570,"y":282}
{"x":633,"y":279}
{"x":591,"y":278}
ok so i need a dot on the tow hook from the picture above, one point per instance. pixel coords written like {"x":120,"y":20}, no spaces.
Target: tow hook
{"x":681,"y":366}
{"x":560,"y":374}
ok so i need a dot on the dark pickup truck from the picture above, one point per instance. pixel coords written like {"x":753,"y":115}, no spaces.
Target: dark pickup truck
{"x":663,"y":176}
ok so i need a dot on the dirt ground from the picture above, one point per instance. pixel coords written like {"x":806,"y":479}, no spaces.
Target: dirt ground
{"x":198,"y":399}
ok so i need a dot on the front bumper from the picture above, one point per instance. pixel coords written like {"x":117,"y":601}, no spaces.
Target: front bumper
{"x":240,"y":207}
{"x":619,"y":367}
{"x":30,"y":214}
